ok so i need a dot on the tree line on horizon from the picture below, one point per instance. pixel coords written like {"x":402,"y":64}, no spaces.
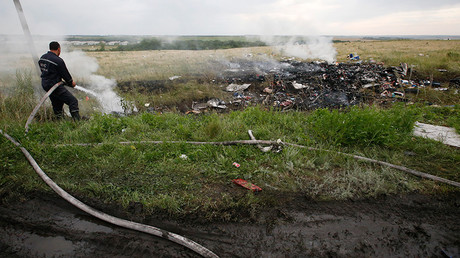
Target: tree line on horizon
{"x":192,"y":44}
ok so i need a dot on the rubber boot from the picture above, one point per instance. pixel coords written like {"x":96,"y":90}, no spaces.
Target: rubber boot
{"x":75,"y":115}
{"x":58,"y":116}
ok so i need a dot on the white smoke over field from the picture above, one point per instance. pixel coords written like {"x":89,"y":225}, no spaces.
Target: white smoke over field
{"x":15,"y":53}
{"x":305,"y":47}
{"x":83,"y":69}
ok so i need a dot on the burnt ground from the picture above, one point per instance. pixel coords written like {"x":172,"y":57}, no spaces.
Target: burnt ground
{"x":412,"y":225}
{"x":297,"y":85}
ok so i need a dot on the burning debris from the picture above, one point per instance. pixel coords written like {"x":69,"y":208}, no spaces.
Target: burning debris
{"x":310,"y":85}
{"x":292,"y":84}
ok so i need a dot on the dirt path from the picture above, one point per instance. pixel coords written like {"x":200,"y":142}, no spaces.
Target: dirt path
{"x":414,"y":225}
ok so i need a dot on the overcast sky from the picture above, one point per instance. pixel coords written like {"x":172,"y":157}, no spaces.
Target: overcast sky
{"x":234,"y":17}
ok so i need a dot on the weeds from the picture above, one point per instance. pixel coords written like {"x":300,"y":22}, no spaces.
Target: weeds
{"x":157,"y":176}
{"x":19,"y":100}
{"x":441,"y":115}
{"x":433,"y":97}
{"x":362,"y":126}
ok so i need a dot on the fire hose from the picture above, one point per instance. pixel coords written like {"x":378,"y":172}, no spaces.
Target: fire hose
{"x":165,"y":234}
{"x":114,"y":220}
{"x":279,"y":143}
{"x":172,"y":236}
{"x":108,"y":218}
{"x":40,"y":103}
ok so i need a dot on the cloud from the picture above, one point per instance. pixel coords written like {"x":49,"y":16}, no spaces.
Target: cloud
{"x":440,"y":22}
{"x":210,"y":17}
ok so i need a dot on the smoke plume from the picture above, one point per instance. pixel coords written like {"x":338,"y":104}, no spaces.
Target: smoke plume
{"x":305,"y":47}
{"x":83,"y":69}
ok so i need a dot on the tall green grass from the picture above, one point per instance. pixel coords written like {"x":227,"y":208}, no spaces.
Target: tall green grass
{"x":17,"y":101}
{"x":441,"y":115}
{"x":362,"y":126}
{"x":157,"y":177}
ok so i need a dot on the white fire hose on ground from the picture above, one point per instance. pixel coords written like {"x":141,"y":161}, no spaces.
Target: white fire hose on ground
{"x":100,"y":215}
{"x":278,"y":143}
{"x":108,"y":218}
{"x":42,"y":100}
{"x":174,"y":237}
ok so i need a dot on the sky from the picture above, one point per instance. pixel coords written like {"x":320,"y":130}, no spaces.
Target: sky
{"x":233,"y":17}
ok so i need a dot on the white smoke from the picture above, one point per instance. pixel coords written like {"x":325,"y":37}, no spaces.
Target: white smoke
{"x":305,"y":47}
{"x":15,"y":53}
{"x":83,"y":70}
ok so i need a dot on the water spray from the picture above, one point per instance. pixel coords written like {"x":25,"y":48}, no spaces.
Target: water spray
{"x":94,"y":94}
{"x":77,"y":87}
{"x":110,"y":102}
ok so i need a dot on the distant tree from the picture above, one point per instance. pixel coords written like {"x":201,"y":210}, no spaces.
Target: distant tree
{"x":101,"y":46}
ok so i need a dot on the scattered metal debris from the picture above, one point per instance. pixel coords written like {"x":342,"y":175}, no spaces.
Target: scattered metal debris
{"x":216,"y":103}
{"x":299,"y":85}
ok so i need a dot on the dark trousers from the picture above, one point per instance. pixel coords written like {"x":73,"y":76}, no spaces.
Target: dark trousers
{"x":60,"y":97}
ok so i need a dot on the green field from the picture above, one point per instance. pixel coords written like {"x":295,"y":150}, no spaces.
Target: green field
{"x":157,"y":175}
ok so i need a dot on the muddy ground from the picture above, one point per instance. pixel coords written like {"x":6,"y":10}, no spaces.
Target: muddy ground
{"x":412,"y":225}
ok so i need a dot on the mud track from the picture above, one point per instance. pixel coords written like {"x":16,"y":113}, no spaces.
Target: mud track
{"x":414,"y":225}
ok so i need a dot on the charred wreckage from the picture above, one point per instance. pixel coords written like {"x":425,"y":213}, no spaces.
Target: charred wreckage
{"x":298,"y":85}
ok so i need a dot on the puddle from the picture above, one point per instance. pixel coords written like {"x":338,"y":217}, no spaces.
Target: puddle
{"x":30,"y":244}
{"x":80,"y":223}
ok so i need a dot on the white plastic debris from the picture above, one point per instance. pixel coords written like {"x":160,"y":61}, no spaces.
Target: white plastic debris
{"x":237,"y":87}
{"x":299,"y":86}
{"x":443,"y":134}
{"x":174,"y":77}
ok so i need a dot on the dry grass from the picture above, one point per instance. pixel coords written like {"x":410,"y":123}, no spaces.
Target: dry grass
{"x":407,"y":48}
{"x":162,"y":64}
{"x":427,"y":56}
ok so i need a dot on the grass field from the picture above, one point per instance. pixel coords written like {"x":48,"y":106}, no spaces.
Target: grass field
{"x":427,"y":57}
{"x":162,"y":64}
{"x":158,"y":178}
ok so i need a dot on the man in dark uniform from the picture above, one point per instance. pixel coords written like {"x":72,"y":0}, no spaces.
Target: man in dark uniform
{"x":54,"y":70}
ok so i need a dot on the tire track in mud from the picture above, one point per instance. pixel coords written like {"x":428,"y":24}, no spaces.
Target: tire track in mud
{"x":412,"y":225}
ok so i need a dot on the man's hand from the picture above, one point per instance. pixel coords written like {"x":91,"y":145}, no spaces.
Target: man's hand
{"x":74,"y":84}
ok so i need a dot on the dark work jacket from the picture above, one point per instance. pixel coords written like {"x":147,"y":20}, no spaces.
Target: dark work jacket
{"x":53,"y":70}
